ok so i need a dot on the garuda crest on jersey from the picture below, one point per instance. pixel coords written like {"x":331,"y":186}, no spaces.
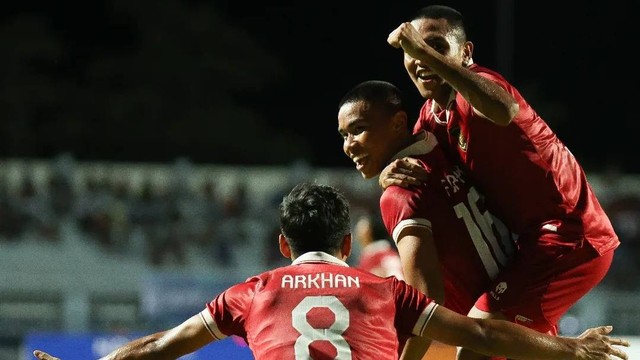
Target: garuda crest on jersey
{"x":462,"y":139}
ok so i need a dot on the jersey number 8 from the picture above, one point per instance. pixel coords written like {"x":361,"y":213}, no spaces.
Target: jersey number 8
{"x":332,"y":334}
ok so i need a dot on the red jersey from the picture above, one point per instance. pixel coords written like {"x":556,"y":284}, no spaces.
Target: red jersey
{"x":473,"y":246}
{"x":530,"y":179}
{"x":380,"y":258}
{"x":319,"y":308}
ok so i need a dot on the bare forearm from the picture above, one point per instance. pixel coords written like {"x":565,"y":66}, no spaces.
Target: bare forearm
{"x":506,"y":339}
{"x":488,"y":98}
{"x":432,"y":286}
{"x":415,"y":348}
{"x":143,"y":348}
{"x":513,"y":341}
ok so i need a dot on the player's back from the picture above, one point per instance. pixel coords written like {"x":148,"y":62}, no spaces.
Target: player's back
{"x":319,"y":310}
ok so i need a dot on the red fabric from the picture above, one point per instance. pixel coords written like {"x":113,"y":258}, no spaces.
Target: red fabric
{"x":472,"y":247}
{"x":271,"y":311}
{"x":529,"y":177}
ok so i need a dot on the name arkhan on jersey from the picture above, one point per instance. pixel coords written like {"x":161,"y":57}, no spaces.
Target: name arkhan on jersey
{"x":319,"y":281}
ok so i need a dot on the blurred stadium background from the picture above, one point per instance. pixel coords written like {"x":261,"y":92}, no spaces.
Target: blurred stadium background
{"x":144,"y":146}
{"x":117,"y":248}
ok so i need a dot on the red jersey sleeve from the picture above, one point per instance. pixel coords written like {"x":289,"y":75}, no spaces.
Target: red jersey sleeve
{"x":226,"y":314}
{"x":414,"y":309}
{"x":402,"y":207}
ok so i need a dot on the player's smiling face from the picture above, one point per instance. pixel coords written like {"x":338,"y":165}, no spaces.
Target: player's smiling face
{"x":437,"y":34}
{"x":366,"y":137}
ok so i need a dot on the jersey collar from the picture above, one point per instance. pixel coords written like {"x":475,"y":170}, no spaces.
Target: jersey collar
{"x":426,"y":141}
{"x":435,"y":108}
{"x":318,"y":256}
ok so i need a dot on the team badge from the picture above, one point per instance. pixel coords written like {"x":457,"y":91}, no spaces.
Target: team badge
{"x":455,"y":132}
{"x":462,"y":142}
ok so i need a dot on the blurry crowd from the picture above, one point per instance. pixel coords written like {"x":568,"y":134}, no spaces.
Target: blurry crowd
{"x":624,"y":212}
{"x":160,"y":224}
{"x":110,"y":212}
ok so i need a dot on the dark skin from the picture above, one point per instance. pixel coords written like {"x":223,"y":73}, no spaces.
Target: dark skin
{"x":490,"y":337}
{"x":403,"y":172}
{"x":436,"y":57}
{"x":370,"y":138}
{"x":436,"y":60}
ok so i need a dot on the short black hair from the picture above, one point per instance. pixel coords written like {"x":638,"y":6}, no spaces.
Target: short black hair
{"x":377,"y":93}
{"x":453,"y":17}
{"x":314,"y":217}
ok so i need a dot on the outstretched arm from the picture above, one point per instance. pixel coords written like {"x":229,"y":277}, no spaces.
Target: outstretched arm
{"x":487,"y":98}
{"x":183,"y":339}
{"x":503,"y":338}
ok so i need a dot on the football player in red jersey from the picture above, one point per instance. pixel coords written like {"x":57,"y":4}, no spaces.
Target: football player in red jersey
{"x":320,"y":308}
{"x":450,"y":246}
{"x":530,"y":179}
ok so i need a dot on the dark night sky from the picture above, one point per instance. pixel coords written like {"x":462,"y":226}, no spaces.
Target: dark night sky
{"x":570,"y":61}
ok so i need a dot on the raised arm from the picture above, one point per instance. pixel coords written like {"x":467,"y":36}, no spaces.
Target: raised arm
{"x":183,"y":339}
{"x":503,"y":338}
{"x":487,"y":98}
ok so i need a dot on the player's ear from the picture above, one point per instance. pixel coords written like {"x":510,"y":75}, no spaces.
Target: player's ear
{"x":400,"y":121}
{"x":346,"y":246}
{"x":285,"y":250}
{"x":467,"y":55}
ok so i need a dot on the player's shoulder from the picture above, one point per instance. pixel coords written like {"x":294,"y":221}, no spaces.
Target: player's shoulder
{"x":485,"y":71}
{"x":378,"y":283}
{"x":398,"y":285}
{"x":247,"y":288}
{"x":368,"y":277}
{"x":395,"y":194}
{"x":256,"y":281}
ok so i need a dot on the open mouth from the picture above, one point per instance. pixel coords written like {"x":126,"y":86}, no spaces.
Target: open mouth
{"x":359,"y":161}
{"x":426,"y":76}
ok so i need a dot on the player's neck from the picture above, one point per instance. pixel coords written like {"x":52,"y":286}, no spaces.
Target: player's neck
{"x":440,"y":106}
{"x":442,"y":98}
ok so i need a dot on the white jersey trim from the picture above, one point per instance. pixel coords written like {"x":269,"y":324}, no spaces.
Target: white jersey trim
{"x":423,"y":319}
{"x":407,"y":223}
{"x":435,"y":107}
{"x":424,"y":144}
{"x":318,"y":256}
{"x":211,"y":325}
